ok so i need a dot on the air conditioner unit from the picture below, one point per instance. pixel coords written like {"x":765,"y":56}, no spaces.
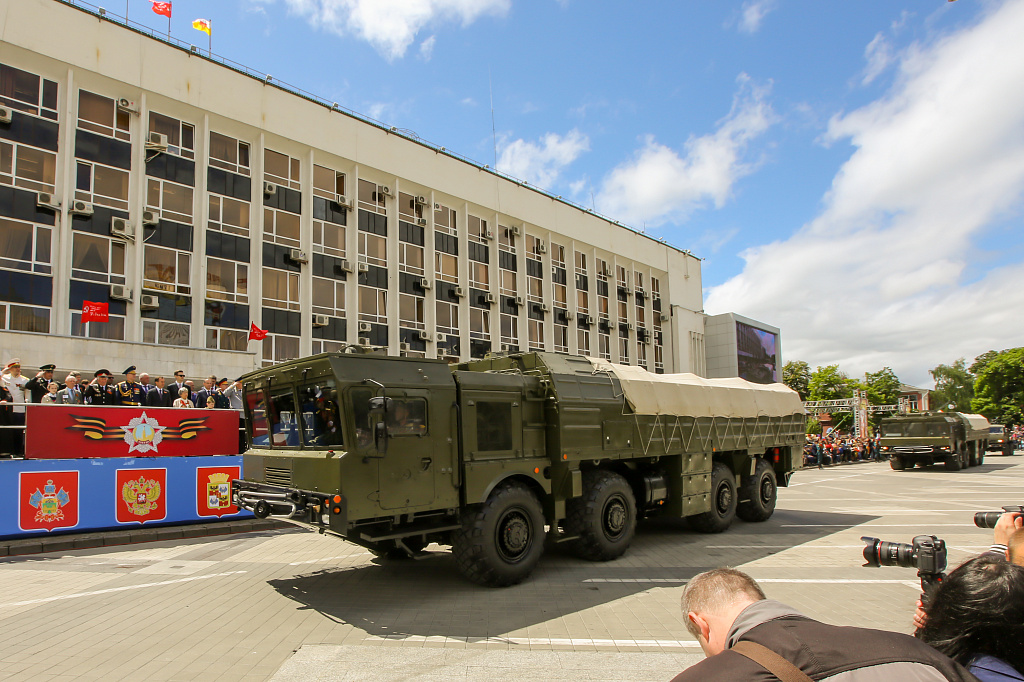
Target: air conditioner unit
{"x":422,"y":222}
{"x":421,"y":200}
{"x":586,"y":320}
{"x":542,"y":247}
{"x":364,"y":326}
{"x":321,"y":320}
{"x":425,"y":283}
{"x":149,"y":302}
{"x":516,"y":230}
{"x":385,"y":190}
{"x":6,"y":114}
{"x":423,"y":336}
{"x":543,"y":307}
{"x":403,"y":347}
{"x":298,"y":255}
{"x":489,"y":298}
{"x":459,"y":291}
{"x":156,"y":141}
{"x":437,"y":207}
{"x":150,"y":217}
{"x":125,"y":104}
{"x":346,"y":265}
{"x":121,"y":227}
{"x":47,"y":200}
{"x":606,"y":270}
{"x":363,"y":267}
{"x":488,"y":233}
{"x":640,"y":291}
{"x":629,"y":326}
{"x":120,"y":293}
{"x":269,"y":189}
{"x":568,"y":315}
{"x":520,"y":301}
{"x":81,"y":208}
{"x":664,"y":317}
{"x":363,"y":341}
{"x":441,"y":337}
{"x":626,"y":290}
{"x":506,"y":347}
{"x":341,"y":200}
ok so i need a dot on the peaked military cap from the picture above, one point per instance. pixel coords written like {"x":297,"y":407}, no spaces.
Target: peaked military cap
{"x":48,"y":368}
{"x":129,"y":370}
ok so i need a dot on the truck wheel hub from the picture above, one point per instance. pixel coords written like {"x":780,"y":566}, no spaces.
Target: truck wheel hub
{"x":514,"y":533}
{"x":615,"y":518}
{"x":767,"y":490}
{"x":724,"y":499}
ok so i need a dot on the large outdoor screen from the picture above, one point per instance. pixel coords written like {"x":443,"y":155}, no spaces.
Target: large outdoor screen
{"x":757,"y":354}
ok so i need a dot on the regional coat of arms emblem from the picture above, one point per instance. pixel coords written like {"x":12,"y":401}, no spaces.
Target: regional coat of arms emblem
{"x":48,"y":503}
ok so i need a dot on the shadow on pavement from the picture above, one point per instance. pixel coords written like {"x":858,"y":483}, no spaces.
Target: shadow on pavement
{"x":986,"y":468}
{"x":428,"y":597}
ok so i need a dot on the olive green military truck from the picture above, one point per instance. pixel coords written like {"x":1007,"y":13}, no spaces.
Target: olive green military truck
{"x":956,"y":439}
{"x":999,"y":440}
{"x":495,"y":457}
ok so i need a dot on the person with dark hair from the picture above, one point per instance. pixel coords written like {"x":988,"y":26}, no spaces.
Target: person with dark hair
{"x":976,"y":617}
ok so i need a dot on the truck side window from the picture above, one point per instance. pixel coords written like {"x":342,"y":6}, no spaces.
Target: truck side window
{"x":284,"y":427}
{"x":321,"y":426}
{"x":493,"y":426}
{"x":407,"y":417}
{"x":361,"y":417}
{"x":256,"y":406}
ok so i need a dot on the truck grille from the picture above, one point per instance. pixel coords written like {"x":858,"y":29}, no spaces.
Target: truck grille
{"x":277,"y":476}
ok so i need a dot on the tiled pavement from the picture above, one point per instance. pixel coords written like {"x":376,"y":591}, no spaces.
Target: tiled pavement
{"x":291,"y":605}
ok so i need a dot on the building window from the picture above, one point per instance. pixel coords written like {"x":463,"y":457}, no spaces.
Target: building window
{"x":102,"y":185}
{"x":445,"y":220}
{"x":165,"y":333}
{"x":171,"y":200}
{"x":479,"y":324}
{"x":100,"y":114}
{"x":620,"y":277}
{"x":508,"y":282}
{"x":229,"y":215}
{"x":582,"y":301}
{"x":410,"y":312}
{"x":659,"y":358}
{"x":97,"y":259}
{"x":655,"y":289}
{"x":325,"y":346}
{"x":279,"y":348}
{"x":583,"y":341}
{"x":27,"y":167}
{"x":280,"y":289}
{"x":166,"y":270}
{"x":28,"y":92}
{"x":21,"y":318}
{"x":534,"y":289}
{"x":641,"y":354}
{"x":282,"y":169}
{"x":328,"y":183}
{"x":229,"y":154}
{"x":534,"y":247}
{"x":373,"y":249}
{"x":561,"y":338}
{"x":181,"y":136}
{"x":329,"y":238}
{"x":371,"y":197}
{"x":227,"y":280}
{"x":446,"y":267}
{"x":536,"y":328}
{"x":509,"y":330}
{"x":477,"y":229}
{"x":226,"y":339}
{"x":281,"y":227}
{"x":408,"y":208}
{"x":623,"y":347}
{"x":641,"y":313}
{"x":447,"y":318}
{"x":410,"y":258}
{"x":112,"y":330}
{"x":479,"y":275}
{"x":373,"y":305}
{"x":639,"y":277}
{"x":24,"y":246}
{"x":557,"y":255}
{"x":559,"y":295}
{"x":506,"y":239}
{"x":604,"y":346}
{"x":328,"y":297}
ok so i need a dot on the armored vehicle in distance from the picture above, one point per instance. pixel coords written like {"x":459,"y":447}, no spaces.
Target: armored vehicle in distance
{"x":956,"y":439}
{"x":999,"y":440}
{"x":496,"y":456}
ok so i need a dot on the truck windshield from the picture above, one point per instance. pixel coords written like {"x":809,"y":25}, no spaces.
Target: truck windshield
{"x":996,"y":430}
{"x":321,"y":426}
{"x":914,"y":430}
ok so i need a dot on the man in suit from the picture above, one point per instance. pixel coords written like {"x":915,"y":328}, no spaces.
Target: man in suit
{"x":177,"y":384}
{"x":144,"y":384}
{"x":71,"y":394}
{"x":209,"y":388}
{"x":158,"y":396}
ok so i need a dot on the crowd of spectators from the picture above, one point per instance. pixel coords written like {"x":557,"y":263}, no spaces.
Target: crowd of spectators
{"x":1016,"y":435}
{"x":834,"y":448}
{"x":138,"y":389}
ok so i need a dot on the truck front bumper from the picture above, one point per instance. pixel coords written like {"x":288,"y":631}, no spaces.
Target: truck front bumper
{"x":302,"y":507}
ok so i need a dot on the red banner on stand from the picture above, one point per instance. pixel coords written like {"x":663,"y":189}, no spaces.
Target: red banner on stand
{"x":71,"y":431}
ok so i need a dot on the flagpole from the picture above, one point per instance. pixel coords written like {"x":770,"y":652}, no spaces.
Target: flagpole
{"x":210,"y":36}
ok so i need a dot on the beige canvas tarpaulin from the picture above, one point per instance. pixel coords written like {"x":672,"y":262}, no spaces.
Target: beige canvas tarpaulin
{"x":978,"y":424}
{"x":693,"y":396}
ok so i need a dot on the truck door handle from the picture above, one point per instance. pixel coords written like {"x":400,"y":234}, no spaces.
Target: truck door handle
{"x":425,"y":463}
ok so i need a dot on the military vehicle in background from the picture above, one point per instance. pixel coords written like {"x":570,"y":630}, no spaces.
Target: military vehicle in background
{"x":999,"y":440}
{"x":956,"y":439}
{"x":495,"y":457}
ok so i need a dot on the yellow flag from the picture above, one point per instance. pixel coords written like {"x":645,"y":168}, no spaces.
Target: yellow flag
{"x":203,"y":25}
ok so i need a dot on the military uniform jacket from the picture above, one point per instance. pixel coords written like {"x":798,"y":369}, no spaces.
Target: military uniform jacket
{"x":36,"y":387}
{"x":129,"y":394}
{"x":100,"y":395}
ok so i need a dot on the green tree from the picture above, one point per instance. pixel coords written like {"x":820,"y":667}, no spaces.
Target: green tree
{"x":999,"y":389}
{"x":797,"y":375}
{"x":828,"y":383}
{"x":982,"y":361}
{"x":882,"y":387}
{"x":954,"y":385}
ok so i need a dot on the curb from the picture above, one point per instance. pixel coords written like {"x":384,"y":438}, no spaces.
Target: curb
{"x":64,"y":543}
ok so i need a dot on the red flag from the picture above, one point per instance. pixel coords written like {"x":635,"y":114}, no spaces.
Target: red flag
{"x":255,"y":333}
{"x":163,"y":8}
{"x":95,"y":312}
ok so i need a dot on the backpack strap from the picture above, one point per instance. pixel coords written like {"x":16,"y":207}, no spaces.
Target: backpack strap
{"x":770,"y":661}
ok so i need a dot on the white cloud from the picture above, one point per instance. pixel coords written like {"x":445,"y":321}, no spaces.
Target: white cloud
{"x":390,"y":26}
{"x":752,"y":13}
{"x":880,"y":276}
{"x":660,"y":184}
{"x":878,"y":55}
{"x":540,"y":163}
{"x":427,"y":48}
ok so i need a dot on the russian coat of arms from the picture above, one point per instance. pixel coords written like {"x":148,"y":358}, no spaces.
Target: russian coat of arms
{"x":48,"y":503}
{"x":141,"y":495}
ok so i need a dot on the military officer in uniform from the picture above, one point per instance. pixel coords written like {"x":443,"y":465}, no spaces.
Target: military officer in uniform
{"x":36,"y":386}
{"x":129,"y":392}
{"x":100,"y":392}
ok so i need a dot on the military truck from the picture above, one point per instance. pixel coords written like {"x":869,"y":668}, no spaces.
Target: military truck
{"x":496,"y":457}
{"x":956,"y":439}
{"x":999,"y":440}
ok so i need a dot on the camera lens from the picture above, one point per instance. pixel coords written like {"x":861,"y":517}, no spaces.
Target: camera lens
{"x":881,"y":553}
{"x":987,"y":519}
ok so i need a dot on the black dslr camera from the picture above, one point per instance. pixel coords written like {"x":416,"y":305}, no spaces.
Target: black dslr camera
{"x":926,"y":553}
{"x":989,"y":519}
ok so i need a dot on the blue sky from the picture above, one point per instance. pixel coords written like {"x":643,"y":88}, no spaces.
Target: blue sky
{"x":850,"y":172}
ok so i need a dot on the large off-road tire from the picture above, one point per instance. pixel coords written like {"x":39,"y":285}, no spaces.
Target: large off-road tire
{"x":972,"y":458}
{"x":759,"y":494}
{"x":897,"y":463}
{"x":723,"y":502}
{"x":604,"y":518}
{"x":501,"y":541}
{"x":954,"y":461}
{"x":981,"y":457}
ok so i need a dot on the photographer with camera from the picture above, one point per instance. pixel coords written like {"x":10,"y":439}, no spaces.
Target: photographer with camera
{"x":1006,"y":526}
